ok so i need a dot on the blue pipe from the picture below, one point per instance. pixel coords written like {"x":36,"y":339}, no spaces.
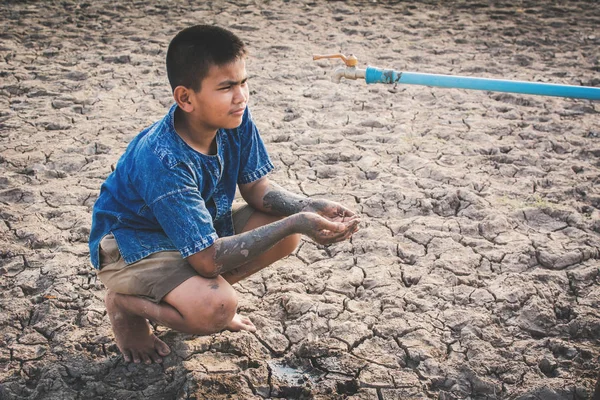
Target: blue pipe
{"x":376,"y":75}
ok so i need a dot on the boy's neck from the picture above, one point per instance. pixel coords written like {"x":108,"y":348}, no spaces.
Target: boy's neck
{"x":195,"y":135}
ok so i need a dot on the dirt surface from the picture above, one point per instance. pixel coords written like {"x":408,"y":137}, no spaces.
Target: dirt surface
{"x":476,"y":271}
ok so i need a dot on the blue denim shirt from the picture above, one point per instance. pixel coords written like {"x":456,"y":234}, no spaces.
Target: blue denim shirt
{"x":163,"y":195}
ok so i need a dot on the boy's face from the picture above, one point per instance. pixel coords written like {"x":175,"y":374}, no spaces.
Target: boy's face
{"x":222,"y":98}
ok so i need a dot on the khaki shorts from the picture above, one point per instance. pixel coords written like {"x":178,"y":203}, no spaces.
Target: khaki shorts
{"x":159,"y":273}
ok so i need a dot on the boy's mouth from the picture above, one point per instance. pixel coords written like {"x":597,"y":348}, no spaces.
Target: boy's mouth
{"x":239,"y":111}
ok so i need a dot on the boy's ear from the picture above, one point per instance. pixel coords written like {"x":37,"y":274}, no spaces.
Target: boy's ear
{"x":182,"y":95}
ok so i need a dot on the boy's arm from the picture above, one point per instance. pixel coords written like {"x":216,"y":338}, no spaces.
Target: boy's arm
{"x":270,"y":198}
{"x":323,"y":221}
{"x":232,"y":252}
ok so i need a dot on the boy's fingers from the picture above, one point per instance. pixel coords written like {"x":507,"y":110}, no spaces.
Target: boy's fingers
{"x":333,"y":232}
{"x":327,"y":236}
{"x":348,"y":213}
{"x":351,"y":229}
{"x":355,"y":220}
{"x":352,"y":218}
{"x":353,"y":224}
{"x":348,"y":234}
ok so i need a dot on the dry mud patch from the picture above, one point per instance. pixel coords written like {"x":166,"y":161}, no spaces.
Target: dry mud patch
{"x":476,"y":271}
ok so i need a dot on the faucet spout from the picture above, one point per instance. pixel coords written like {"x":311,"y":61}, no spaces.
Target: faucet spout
{"x":348,"y":73}
{"x":338,"y":74}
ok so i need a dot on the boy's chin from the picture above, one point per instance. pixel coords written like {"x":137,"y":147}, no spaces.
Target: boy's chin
{"x":234,"y":123}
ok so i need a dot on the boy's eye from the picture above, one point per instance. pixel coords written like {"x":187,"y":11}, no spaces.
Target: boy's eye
{"x":228,"y":87}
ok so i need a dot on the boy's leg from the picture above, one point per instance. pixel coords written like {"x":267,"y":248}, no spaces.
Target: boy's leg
{"x":199,"y":306}
{"x":164,"y":288}
{"x":133,"y":333}
{"x":282,"y":249}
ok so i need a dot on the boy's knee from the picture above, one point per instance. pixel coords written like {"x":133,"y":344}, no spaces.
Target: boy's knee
{"x":223,"y":311}
{"x":216,"y":313}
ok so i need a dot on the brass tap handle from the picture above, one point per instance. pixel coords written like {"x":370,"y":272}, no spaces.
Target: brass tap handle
{"x":350,"y":61}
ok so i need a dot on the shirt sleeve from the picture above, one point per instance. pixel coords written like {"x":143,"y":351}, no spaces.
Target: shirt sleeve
{"x":176,"y":203}
{"x":254,"y":159}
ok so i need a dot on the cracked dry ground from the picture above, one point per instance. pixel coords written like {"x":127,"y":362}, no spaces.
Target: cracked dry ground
{"x":476,"y":271}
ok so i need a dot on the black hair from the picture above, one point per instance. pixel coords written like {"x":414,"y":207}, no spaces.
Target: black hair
{"x":195,"y":49}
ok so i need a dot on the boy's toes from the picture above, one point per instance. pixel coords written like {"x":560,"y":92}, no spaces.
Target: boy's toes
{"x":239,"y":323}
{"x":161,"y":348}
{"x":126,"y":356}
{"x":156,"y":358}
{"x":248,"y":325}
{"x":146,"y":359}
{"x":136,"y":357}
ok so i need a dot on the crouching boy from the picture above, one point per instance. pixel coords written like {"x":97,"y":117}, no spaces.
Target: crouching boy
{"x":165,"y":239}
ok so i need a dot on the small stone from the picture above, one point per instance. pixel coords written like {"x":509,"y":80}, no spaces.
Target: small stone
{"x":76,"y":76}
{"x":54,"y":126}
{"x":547,"y":366}
{"x":58,"y":103}
{"x":577,"y":169}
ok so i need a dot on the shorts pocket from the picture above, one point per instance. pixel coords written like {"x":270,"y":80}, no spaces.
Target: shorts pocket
{"x":109,"y":251}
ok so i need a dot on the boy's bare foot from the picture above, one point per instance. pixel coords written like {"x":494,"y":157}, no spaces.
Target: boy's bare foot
{"x":239,"y":323}
{"x":133,"y":333}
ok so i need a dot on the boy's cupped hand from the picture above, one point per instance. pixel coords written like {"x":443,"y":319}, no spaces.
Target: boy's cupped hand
{"x":330,"y":210}
{"x":327,"y":231}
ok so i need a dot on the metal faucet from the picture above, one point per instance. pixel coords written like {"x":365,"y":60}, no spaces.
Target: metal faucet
{"x":349,"y":72}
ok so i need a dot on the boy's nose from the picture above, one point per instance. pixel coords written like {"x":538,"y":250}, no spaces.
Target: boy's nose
{"x":240,"y":95}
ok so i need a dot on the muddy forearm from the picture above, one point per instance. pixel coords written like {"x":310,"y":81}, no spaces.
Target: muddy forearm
{"x":234,"y":251}
{"x":279,"y":201}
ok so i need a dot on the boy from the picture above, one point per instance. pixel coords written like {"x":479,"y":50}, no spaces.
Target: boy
{"x":164,"y":237}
